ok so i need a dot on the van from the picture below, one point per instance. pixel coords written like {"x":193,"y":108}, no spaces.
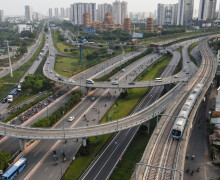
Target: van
{"x":89,"y":81}
{"x":115,"y":83}
{"x":158,"y":79}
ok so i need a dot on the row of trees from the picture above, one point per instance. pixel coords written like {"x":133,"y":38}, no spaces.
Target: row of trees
{"x":59,"y":113}
{"x":96,"y":54}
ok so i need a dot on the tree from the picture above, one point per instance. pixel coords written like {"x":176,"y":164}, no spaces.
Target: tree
{"x":4,"y":160}
{"x":45,"y":29}
{"x":66,"y":50}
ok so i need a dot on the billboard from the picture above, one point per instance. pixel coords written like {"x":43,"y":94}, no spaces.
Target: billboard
{"x":89,"y":30}
{"x":137,"y":36}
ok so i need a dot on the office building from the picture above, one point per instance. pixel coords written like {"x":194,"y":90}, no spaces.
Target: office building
{"x":127,"y":24}
{"x":86,"y":20}
{"x":50,"y":13}
{"x":56,"y":13}
{"x":185,"y":12}
{"x":2,"y":16}
{"x":150,"y":24}
{"x":78,"y":9}
{"x":207,"y":9}
{"x":28,"y":13}
{"x":102,"y":10}
{"x":174,"y":14}
{"x":38,"y":16}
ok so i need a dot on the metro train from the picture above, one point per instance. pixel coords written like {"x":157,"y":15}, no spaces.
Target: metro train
{"x":180,"y":122}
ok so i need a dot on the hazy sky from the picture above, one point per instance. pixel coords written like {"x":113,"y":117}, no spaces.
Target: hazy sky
{"x":16,"y":7}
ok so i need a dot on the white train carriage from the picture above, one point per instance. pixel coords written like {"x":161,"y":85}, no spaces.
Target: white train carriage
{"x":180,"y":122}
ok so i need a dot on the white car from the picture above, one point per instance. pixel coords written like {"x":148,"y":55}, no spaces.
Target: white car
{"x":176,"y":76}
{"x":71,"y":81}
{"x":71,"y":118}
{"x":115,"y":83}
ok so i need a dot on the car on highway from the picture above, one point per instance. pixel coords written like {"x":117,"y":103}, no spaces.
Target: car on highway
{"x":123,"y":70}
{"x":89,"y":81}
{"x":60,"y":79}
{"x":158,"y":79}
{"x":115,"y":83}
{"x":176,"y":76}
{"x":71,"y":118}
{"x":131,"y":83}
{"x":48,"y":62}
{"x":71,"y":81}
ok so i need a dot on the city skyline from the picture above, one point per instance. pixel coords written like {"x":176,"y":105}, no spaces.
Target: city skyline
{"x":133,"y":6}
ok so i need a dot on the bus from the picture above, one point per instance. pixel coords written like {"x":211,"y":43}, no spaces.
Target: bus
{"x":14,"y":170}
{"x":158,"y":79}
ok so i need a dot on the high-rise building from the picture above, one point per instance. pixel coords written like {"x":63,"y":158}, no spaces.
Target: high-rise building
{"x":174,"y":14}
{"x":86,"y":20}
{"x":167,"y":14}
{"x":2,"y":17}
{"x":28,"y":13}
{"x":124,"y":11}
{"x":50,"y":13}
{"x":207,"y":9}
{"x":150,"y":24}
{"x":56,"y":12}
{"x":102,"y":10}
{"x":78,"y":9}
{"x":116,"y":11}
{"x":185,"y":12}
{"x":67,"y":15}
{"x":62,"y":12}
{"x":38,"y":16}
{"x":127,"y":24}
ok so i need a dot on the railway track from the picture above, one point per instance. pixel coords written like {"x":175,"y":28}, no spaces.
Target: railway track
{"x":166,"y":150}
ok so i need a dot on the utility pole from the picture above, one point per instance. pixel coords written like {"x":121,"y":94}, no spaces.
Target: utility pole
{"x":9,"y":59}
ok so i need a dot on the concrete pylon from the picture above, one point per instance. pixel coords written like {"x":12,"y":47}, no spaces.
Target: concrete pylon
{"x":84,"y":142}
{"x":23,"y":144}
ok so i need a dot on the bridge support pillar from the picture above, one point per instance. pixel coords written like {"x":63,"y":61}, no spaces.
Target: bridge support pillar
{"x":147,"y":124}
{"x":23,"y":144}
{"x":87,"y":90}
{"x":84,"y":142}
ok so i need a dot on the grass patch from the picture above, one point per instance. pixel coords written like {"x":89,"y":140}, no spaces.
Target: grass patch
{"x":68,"y":66}
{"x":40,"y":67}
{"x":4,"y":89}
{"x":179,"y":67}
{"x":124,"y":107}
{"x":21,"y":97}
{"x":191,"y":47}
{"x":18,"y":73}
{"x":155,"y":70}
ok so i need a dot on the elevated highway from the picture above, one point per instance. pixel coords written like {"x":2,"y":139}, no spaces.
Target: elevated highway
{"x":136,"y":119}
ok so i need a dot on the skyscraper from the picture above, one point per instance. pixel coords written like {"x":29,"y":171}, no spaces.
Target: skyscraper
{"x":2,"y":17}
{"x":167,"y":14}
{"x":67,"y":14}
{"x":116,"y":9}
{"x":124,"y":11}
{"x":56,"y":10}
{"x":185,"y":12}
{"x":78,"y":9}
{"x":29,"y":13}
{"x":102,"y":10}
{"x":62,"y":12}
{"x":207,"y":9}
{"x":50,"y":13}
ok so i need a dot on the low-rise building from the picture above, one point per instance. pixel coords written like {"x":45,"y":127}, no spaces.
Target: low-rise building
{"x":24,"y":27}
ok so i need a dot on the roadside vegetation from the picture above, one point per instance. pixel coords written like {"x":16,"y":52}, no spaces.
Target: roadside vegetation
{"x":26,"y":107}
{"x":122,"y":107}
{"x":191,"y":47}
{"x":59,"y":113}
{"x":4,"y":160}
